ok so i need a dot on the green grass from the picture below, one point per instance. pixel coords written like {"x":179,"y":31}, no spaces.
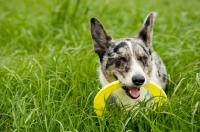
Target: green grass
{"x":48,"y":70}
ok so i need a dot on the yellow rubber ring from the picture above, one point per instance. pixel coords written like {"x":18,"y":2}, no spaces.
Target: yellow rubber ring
{"x":104,"y":93}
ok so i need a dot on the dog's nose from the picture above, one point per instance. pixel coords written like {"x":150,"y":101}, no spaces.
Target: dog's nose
{"x":138,"y":80}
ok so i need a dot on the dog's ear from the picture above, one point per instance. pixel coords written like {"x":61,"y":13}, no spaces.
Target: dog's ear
{"x":99,"y":36}
{"x":147,"y":30}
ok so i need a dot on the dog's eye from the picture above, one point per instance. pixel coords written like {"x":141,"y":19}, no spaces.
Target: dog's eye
{"x":119,"y":61}
{"x":143,"y":59}
{"x":123,"y":58}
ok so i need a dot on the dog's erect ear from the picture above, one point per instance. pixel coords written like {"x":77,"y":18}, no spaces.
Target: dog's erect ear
{"x":99,"y":36}
{"x":147,"y":30}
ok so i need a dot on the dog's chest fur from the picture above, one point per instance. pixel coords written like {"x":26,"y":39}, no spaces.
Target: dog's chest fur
{"x":132,"y":61}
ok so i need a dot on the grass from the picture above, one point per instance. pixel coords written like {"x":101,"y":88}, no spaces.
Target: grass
{"x":48,"y":76}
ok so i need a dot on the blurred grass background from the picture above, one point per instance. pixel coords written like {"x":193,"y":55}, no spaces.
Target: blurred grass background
{"x":48,"y":70}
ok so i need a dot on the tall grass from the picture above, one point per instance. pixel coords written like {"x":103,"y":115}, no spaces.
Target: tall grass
{"x":48,"y":70}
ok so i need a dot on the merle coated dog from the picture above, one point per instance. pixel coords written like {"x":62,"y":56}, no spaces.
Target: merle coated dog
{"x":132,"y":61}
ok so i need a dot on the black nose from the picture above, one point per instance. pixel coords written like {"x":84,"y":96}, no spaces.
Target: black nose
{"x":138,"y":80}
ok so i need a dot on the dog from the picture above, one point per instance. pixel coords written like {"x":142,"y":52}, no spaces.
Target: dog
{"x":132,"y":61}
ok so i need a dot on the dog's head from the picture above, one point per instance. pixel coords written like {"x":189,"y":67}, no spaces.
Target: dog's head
{"x":128,"y":60}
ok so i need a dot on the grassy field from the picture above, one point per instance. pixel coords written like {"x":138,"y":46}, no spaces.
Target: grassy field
{"x":48,"y":70}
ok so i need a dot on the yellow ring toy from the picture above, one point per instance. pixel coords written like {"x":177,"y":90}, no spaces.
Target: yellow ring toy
{"x":104,"y":93}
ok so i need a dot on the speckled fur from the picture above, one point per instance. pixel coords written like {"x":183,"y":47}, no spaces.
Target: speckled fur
{"x":121,"y":59}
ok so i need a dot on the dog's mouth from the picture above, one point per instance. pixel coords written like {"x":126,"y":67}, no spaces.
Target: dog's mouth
{"x":132,"y":92}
